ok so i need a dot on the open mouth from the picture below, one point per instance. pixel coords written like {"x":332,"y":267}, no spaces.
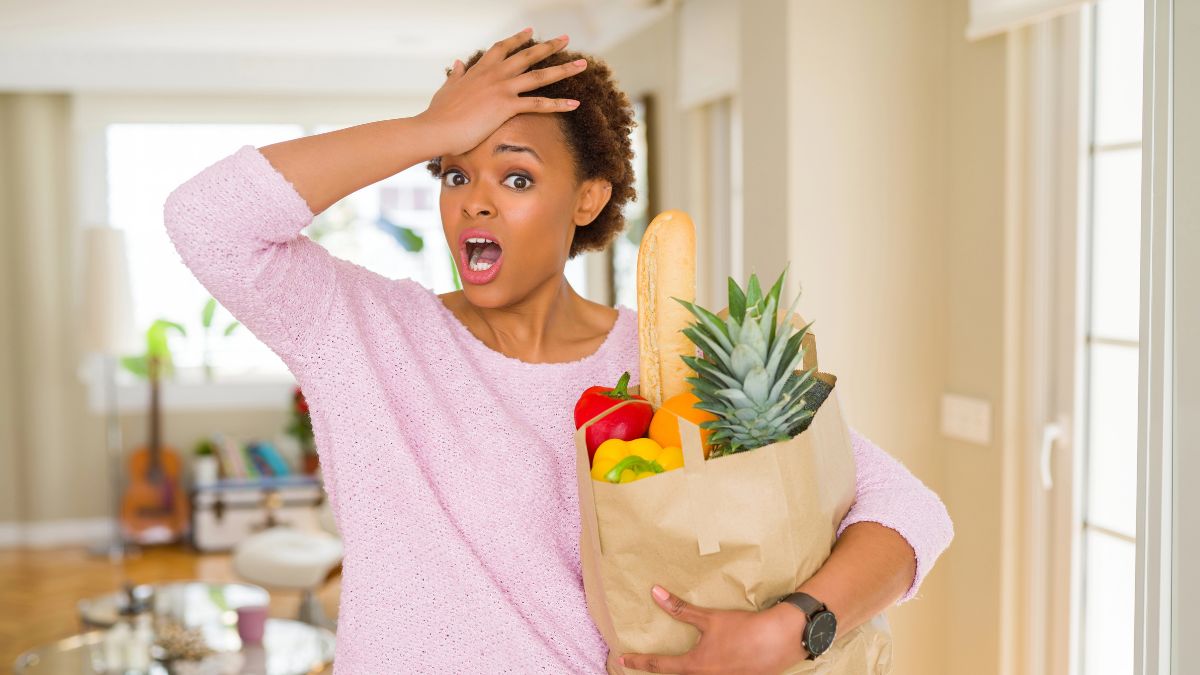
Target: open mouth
{"x":481,"y":253}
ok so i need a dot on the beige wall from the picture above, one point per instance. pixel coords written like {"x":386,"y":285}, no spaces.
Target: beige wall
{"x":645,"y":64}
{"x":897,"y":153}
{"x":868,"y":114}
{"x":974,"y":357}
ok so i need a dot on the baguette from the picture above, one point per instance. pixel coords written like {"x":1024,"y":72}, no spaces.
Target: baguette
{"x":666,"y":268}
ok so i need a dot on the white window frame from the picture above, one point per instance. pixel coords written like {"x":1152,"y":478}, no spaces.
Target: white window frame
{"x":1040,"y":627}
{"x":1169,"y":373}
{"x":91,"y":113}
{"x":1041,"y":413}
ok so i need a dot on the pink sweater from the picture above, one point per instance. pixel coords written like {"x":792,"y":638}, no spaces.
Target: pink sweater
{"x":450,"y":467}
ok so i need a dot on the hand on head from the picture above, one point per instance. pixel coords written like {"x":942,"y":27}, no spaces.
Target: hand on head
{"x":471,"y":104}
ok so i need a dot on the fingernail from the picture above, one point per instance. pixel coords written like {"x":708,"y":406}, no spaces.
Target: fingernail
{"x":660,"y":593}
{"x":572,"y":103}
{"x":562,"y":37}
{"x":621,"y":660}
{"x":579,"y":62}
{"x":528,"y":30}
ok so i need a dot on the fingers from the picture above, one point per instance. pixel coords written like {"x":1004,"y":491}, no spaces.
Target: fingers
{"x":457,"y":68}
{"x":656,"y":663}
{"x":521,"y":61}
{"x":680,"y":609}
{"x":543,"y":76}
{"x":499,"y":51}
{"x":541,"y":104}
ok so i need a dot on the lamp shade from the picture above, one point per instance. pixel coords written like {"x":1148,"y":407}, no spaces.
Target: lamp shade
{"x":108,"y":326}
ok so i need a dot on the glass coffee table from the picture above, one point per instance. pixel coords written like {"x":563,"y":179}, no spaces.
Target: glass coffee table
{"x":289,"y":648}
{"x":193,"y":603}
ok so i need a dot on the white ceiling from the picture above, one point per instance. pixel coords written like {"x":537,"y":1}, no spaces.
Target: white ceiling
{"x":281,"y":45}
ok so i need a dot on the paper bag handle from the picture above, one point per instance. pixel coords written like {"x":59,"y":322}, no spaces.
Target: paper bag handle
{"x":587,"y":497}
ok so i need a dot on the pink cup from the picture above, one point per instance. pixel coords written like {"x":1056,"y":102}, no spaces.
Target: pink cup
{"x":251,"y":622}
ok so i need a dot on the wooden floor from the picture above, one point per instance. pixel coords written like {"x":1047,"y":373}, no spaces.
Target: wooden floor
{"x":39,"y":588}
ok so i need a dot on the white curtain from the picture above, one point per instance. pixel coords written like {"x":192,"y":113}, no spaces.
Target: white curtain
{"x":991,"y":17}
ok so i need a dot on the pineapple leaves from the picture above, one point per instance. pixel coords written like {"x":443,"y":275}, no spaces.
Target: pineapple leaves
{"x":713,"y":323}
{"x":711,"y":348}
{"x":711,"y":371}
{"x":758,"y":386}
{"x":753,"y":292}
{"x":737,"y":302}
{"x":773,"y":295}
{"x":704,"y":389}
{"x":748,"y":375}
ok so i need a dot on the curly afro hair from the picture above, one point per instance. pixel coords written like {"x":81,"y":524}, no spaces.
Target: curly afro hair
{"x":598,"y":134}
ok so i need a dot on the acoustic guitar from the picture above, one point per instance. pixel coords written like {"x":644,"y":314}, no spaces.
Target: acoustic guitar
{"x":154,"y":510}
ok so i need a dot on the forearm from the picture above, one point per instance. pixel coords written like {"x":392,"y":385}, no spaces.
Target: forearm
{"x":326,"y":167}
{"x":871,"y":566}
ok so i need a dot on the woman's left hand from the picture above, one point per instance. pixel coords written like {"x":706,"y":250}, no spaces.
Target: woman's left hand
{"x":731,"y":641}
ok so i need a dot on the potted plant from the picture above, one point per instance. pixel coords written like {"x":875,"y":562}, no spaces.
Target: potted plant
{"x":157,"y":349}
{"x":206,"y":320}
{"x":300,"y":427}
{"x":206,"y":469}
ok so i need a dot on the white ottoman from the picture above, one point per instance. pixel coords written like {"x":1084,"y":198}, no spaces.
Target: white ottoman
{"x":285,"y":558}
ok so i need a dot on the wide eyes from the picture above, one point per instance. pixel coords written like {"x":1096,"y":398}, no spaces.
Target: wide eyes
{"x":451,"y":174}
{"x":520,"y":181}
{"x":516,"y":181}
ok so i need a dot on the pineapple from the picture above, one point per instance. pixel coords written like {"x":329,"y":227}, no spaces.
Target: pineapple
{"x":746,"y":377}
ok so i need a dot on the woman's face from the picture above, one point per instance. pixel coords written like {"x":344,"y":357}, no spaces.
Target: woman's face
{"x":510,"y":207}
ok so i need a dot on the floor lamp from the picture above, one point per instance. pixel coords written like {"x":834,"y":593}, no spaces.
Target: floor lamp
{"x":108,"y":332}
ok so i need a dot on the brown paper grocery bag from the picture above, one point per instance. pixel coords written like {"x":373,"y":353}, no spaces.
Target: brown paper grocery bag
{"x":733,"y":532}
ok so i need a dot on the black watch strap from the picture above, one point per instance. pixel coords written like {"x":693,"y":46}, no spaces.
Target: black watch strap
{"x":807,"y":603}
{"x":811,"y":608}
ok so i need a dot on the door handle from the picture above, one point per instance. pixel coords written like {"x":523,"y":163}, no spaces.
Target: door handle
{"x":1051,"y":433}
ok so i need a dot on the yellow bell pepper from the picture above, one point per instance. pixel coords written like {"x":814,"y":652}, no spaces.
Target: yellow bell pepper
{"x":618,"y":461}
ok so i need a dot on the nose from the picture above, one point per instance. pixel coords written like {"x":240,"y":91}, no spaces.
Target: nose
{"x":478,"y":202}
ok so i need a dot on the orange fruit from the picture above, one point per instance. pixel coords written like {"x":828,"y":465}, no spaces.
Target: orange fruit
{"x":664,"y":426}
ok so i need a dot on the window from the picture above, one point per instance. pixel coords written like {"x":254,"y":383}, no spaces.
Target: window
{"x":637,"y":213}
{"x":392,"y":228}
{"x":1113,"y":231}
{"x":144,"y":163}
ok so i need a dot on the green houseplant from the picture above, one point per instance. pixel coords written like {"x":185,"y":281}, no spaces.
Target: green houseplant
{"x":158,"y":347}
{"x":206,"y":320}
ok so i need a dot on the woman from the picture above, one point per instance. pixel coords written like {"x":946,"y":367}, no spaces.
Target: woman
{"x":444,"y":422}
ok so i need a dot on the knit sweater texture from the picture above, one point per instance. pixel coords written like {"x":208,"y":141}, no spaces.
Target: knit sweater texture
{"x":449,"y":466}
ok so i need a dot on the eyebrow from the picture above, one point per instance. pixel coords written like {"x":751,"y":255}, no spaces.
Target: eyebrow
{"x":505,"y":147}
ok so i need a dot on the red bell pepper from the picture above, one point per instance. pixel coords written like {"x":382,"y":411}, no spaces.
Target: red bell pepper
{"x":628,"y":423}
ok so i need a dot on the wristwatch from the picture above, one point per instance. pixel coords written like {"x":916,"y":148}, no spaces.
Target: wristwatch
{"x":822,"y":624}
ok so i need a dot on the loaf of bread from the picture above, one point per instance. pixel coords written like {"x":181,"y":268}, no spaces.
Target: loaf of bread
{"x":666,"y":268}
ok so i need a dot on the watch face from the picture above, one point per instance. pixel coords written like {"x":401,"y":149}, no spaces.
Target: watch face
{"x":820,"y":632}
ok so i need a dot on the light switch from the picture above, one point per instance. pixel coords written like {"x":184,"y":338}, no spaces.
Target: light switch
{"x":967,"y":419}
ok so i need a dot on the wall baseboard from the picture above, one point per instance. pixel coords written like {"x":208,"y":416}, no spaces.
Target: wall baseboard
{"x":54,"y":533}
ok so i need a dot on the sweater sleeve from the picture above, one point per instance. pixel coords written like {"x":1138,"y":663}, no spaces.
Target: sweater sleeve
{"x":236,"y":225}
{"x":889,"y":494}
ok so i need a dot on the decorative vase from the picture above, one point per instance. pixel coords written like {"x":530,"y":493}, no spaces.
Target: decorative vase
{"x":205,"y":469}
